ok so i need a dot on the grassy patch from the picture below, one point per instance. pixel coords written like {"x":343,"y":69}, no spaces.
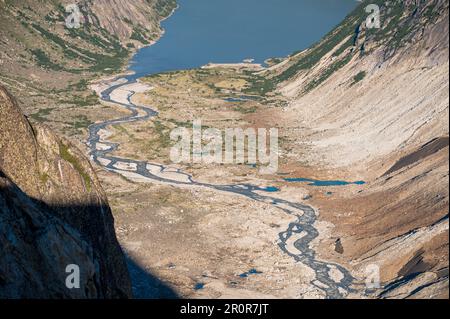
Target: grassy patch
{"x":44,"y":61}
{"x":44,"y":178}
{"x":359,"y":77}
{"x":311,"y":57}
{"x":259,"y":85}
{"x":245,"y":110}
{"x":40,"y":116}
{"x":139,"y":35}
{"x":328,"y":73}
{"x":81,"y":86}
{"x":82,"y":101}
{"x":163,"y":134}
{"x":165,"y":7}
{"x":65,"y":154}
{"x":80,"y":122}
{"x":97,"y":62}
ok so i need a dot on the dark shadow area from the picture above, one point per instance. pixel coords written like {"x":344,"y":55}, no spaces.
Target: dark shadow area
{"x":147,"y":286}
{"x":38,"y":241}
{"x":423,"y":152}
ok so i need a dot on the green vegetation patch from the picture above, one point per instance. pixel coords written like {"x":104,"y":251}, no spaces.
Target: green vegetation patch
{"x":163,"y":134}
{"x":44,"y":61}
{"x":65,"y":154}
{"x":165,"y":7}
{"x":398,"y":24}
{"x":139,"y":35}
{"x":328,"y":73}
{"x":80,"y":122}
{"x":98,"y":62}
{"x":40,"y":116}
{"x":311,"y":57}
{"x":246,"y":110}
{"x":82,"y":101}
{"x":259,"y":85}
{"x":44,"y":178}
{"x":359,"y":77}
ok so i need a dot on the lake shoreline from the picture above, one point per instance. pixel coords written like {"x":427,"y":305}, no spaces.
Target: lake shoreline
{"x":152,"y":42}
{"x":203,"y":33}
{"x":98,"y":85}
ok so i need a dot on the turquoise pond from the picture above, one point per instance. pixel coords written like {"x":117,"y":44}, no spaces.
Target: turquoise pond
{"x":199,"y":286}
{"x":249,"y":273}
{"x":271,"y":189}
{"x":312,"y":182}
{"x":229,"y":31}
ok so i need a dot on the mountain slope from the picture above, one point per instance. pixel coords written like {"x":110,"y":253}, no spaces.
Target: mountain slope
{"x":100,"y":45}
{"x":42,"y":62}
{"x":53,"y":213}
{"x":360,"y":102}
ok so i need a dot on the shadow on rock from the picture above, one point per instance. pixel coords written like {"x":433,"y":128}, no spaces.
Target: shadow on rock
{"x":40,"y":244}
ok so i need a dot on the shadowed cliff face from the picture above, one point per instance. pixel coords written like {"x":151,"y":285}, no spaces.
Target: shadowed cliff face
{"x":53,"y":213}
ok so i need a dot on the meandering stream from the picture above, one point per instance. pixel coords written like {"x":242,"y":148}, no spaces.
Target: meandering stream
{"x":295,"y":241}
{"x":236,"y":30}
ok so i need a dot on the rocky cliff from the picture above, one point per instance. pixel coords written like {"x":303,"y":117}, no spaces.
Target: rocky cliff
{"x":53,"y":213}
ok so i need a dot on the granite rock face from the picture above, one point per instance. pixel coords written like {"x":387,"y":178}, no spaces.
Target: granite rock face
{"x":53,"y":213}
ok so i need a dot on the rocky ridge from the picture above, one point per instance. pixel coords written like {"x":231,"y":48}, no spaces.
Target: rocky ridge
{"x":54,"y":213}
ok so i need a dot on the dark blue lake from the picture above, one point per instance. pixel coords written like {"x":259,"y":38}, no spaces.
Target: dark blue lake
{"x":229,"y":31}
